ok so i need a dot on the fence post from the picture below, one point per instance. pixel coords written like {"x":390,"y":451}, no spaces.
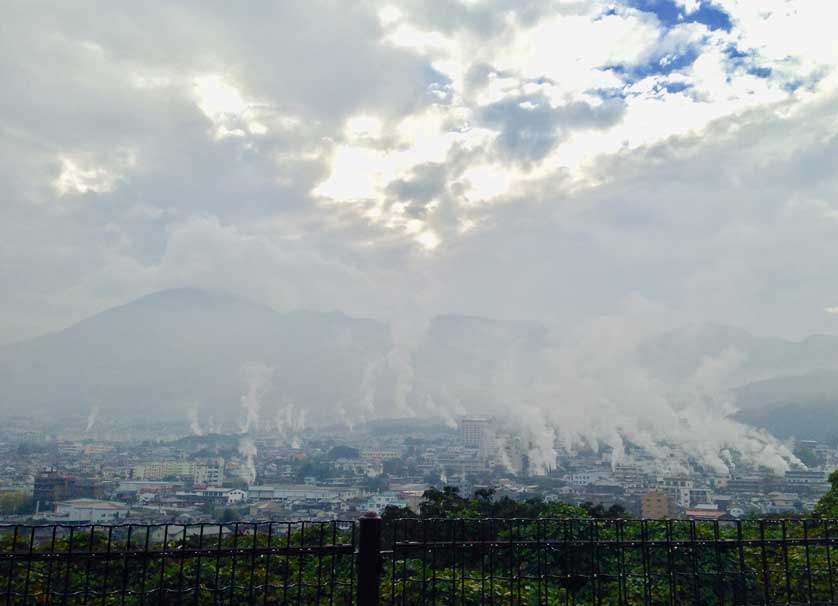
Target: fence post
{"x":369,"y":559}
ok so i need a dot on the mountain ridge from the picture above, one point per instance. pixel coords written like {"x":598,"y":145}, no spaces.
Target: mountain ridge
{"x":178,"y":348}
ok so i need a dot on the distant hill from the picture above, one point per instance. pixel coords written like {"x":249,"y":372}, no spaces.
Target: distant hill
{"x":788,"y":387}
{"x":804,"y":406}
{"x":677,"y":353}
{"x":172,"y":350}
{"x":166,"y":351}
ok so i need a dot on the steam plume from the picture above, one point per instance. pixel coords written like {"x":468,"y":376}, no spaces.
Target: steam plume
{"x":587,"y":388}
{"x":290,"y":423}
{"x":194,"y":421}
{"x":257,"y":380}
{"x":248,"y":451}
{"x":91,"y":417}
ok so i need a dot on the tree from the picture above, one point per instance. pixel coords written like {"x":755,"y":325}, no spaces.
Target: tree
{"x":376,"y":484}
{"x":445,"y":503}
{"x":16,"y":503}
{"x":807,"y":456}
{"x":599,"y":510}
{"x":827,"y":507}
{"x":229,"y":515}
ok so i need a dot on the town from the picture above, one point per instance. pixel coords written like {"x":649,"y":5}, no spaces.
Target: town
{"x":142,"y":471}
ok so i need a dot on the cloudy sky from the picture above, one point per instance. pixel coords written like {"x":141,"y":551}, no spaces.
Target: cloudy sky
{"x":521,"y":159}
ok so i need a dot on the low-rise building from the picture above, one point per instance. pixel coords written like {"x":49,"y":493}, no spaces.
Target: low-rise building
{"x":92,"y":511}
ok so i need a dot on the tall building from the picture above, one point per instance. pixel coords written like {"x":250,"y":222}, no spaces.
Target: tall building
{"x":678,"y":488}
{"x":52,"y":486}
{"x":474,"y":432}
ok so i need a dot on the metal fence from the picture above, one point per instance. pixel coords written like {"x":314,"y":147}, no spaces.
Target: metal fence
{"x":237,"y":563}
{"x":604,"y":561}
{"x":428,"y":562}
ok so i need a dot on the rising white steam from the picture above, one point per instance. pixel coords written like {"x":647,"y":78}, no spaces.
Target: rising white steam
{"x":590,"y":391}
{"x":213,"y":427}
{"x":290,"y":423}
{"x":91,"y":417}
{"x":247,"y":449}
{"x":257,"y":378}
{"x":194,"y":420}
{"x":586,"y":388}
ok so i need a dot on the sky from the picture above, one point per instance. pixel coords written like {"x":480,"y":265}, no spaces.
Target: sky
{"x":519,"y":159}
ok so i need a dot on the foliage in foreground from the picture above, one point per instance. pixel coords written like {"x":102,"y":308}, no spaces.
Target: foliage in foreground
{"x":456,"y":550}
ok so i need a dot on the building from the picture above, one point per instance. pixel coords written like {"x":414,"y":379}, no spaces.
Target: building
{"x":301,"y":492}
{"x":380,"y":454}
{"x":379,"y":502}
{"x":217,"y":496}
{"x":359,"y":467}
{"x":678,"y":488}
{"x":97,"y":449}
{"x":585,"y":477}
{"x":51,"y":487}
{"x":746,"y":485}
{"x":805,"y":476}
{"x":656,"y":505}
{"x":91,"y":511}
{"x":707,"y":513}
{"x":209,"y":471}
{"x":700,"y":496}
{"x":474,"y":432}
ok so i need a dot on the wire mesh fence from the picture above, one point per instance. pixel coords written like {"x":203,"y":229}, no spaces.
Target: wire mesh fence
{"x":597,"y":562}
{"x":237,"y":563}
{"x":428,"y":562}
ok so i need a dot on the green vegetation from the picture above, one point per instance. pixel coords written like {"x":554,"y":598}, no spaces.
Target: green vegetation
{"x":16,"y":503}
{"x":454,"y":551}
{"x":827,"y":507}
{"x":808,"y":456}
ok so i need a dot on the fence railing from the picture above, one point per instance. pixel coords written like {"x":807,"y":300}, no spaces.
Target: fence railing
{"x":237,"y":563}
{"x":446,"y":562}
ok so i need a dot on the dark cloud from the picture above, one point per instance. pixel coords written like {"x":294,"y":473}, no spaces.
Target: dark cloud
{"x":530,"y":128}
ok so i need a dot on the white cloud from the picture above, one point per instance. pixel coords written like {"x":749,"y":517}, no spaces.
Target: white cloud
{"x":89,"y":175}
{"x":391,"y":148}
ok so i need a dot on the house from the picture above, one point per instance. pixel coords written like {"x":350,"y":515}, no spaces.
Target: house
{"x":707,"y":513}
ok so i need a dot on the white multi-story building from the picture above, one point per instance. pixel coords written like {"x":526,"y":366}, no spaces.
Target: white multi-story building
{"x":805,"y":476}
{"x":585,"y":477}
{"x":677,"y":487}
{"x":379,"y":502}
{"x":208,"y":471}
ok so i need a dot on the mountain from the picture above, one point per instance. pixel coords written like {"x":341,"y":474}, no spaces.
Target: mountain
{"x":170,"y":350}
{"x":174,"y":350}
{"x":676,"y":354}
{"x":804,"y":405}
